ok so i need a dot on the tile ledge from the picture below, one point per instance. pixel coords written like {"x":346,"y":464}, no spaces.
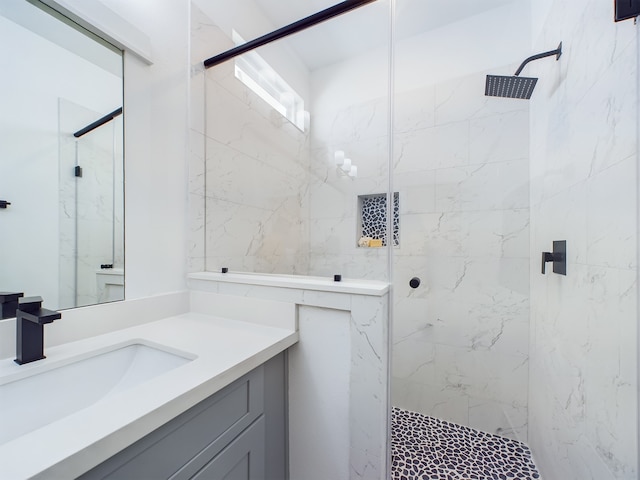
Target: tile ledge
{"x":302,"y":282}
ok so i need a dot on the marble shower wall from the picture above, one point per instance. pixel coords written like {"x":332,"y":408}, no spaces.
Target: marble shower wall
{"x":248,"y":171}
{"x":583,"y":367}
{"x":361,"y":131}
{"x":461,"y":169}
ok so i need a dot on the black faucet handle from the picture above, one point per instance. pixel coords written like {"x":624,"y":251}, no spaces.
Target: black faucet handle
{"x":10,"y":296}
{"x":9,"y":304}
{"x":546,"y":257}
{"x":30,"y":304}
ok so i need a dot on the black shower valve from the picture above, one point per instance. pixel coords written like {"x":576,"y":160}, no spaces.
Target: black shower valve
{"x":558,"y":257}
{"x":4,"y":204}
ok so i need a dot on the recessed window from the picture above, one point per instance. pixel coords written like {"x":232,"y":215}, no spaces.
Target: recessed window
{"x":264,"y":81}
{"x":373,"y":219}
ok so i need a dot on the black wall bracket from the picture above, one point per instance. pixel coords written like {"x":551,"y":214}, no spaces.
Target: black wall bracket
{"x":558,"y":257}
{"x":626,"y":9}
{"x":4,"y":204}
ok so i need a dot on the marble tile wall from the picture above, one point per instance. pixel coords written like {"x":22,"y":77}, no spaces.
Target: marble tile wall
{"x":583,"y":358}
{"x":248,"y":171}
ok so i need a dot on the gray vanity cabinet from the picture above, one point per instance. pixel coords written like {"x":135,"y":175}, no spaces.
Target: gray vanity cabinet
{"x":239,"y":433}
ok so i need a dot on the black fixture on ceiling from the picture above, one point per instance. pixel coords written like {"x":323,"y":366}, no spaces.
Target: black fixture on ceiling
{"x":515,"y":86}
{"x":295,"y":27}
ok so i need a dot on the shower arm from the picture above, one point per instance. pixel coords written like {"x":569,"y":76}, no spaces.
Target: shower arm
{"x":557,"y":52}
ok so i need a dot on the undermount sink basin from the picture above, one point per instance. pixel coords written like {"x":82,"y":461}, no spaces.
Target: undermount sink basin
{"x":49,"y":394}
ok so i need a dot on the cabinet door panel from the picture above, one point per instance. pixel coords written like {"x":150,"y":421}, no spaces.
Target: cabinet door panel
{"x":243,"y":459}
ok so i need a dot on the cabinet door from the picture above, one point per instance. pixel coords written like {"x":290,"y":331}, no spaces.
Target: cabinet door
{"x":242,"y":459}
{"x":193,"y":438}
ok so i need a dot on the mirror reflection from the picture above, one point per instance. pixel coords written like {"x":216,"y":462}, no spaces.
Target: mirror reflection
{"x":61,"y":160}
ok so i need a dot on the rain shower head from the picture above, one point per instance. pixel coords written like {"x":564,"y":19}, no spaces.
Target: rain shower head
{"x":509,"y":87}
{"x":515,"y":86}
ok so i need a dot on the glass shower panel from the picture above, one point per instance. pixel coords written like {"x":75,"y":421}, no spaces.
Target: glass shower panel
{"x":295,"y":144}
{"x":486,"y":185}
{"x":461,"y":169}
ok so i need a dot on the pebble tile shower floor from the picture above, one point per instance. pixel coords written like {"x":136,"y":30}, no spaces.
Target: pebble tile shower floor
{"x":426,"y":448}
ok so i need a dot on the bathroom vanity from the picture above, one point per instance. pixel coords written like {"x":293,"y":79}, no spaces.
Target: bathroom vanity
{"x":239,"y":432}
{"x":190,"y":392}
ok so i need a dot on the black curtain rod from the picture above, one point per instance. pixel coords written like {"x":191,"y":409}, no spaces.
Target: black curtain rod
{"x":310,"y":21}
{"x":98,"y":123}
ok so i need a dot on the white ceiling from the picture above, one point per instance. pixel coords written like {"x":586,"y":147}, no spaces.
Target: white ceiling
{"x":366,"y":27}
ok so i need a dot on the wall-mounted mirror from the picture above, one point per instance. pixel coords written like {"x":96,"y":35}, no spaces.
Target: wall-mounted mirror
{"x":61,"y":159}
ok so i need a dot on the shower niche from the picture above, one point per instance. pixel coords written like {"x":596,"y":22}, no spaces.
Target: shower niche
{"x":372,"y":220}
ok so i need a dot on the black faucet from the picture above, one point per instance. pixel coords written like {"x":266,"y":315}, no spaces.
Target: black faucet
{"x":9,"y":304}
{"x":30,"y":321}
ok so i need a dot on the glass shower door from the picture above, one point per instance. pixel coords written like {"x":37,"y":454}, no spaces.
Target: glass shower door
{"x":461,"y":169}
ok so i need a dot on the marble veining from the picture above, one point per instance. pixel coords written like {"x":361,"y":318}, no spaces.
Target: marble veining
{"x":583,"y":360}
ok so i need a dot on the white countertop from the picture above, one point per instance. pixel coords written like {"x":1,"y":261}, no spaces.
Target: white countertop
{"x":224,"y":350}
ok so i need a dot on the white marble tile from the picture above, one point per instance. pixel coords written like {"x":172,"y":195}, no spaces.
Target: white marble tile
{"x":350,"y":123}
{"x":417,"y":191}
{"x":196,"y":238}
{"x":414,"y":110}
{"x":499,"y":137}
{"x":370,"y":155}
{"x":369,"y":410}
{"x":197,"y":166}
{"x":462,"y":99}
{"x":431,"y":148}
{"x":236,"y":177}
{"x":495,"y":234}
{"x":333,"y":236}
{"x":611,"y":237}
{"x":427,"y":399}
{"x":503,"y":185}
{"x":339,"y":301}
{"x":414,"y":360}
{"x":498,"y":418}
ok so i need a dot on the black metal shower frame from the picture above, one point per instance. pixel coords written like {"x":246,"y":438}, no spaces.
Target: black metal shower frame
{"x":98,"y":123}
{"x":295,"y":27}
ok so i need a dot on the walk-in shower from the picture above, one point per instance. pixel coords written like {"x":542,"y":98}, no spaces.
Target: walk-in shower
{"x":516,"y":86}
{"x":483,"y":345}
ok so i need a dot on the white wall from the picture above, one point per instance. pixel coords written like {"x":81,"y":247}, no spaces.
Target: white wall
{"x":583,"y":389}
{"x":156,"y":111}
